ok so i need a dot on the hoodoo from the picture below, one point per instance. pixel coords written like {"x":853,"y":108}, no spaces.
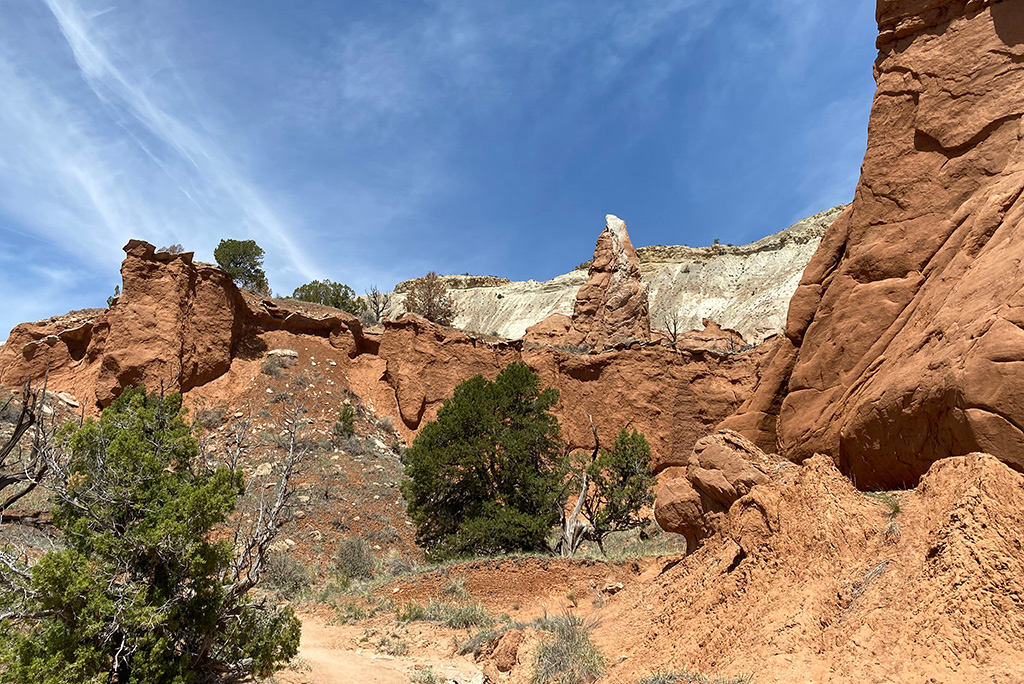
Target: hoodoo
{"x":612,"y":306}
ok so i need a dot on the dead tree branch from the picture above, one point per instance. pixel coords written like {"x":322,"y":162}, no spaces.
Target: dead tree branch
{"x":575,"y":530}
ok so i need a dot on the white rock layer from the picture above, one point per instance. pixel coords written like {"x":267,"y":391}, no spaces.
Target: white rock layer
{"x":746,"y":288}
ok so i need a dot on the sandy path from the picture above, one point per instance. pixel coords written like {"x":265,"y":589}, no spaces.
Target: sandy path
{"x":330,"y":654}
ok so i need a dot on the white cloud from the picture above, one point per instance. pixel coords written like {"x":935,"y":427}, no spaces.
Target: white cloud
{"x":90,"y":168}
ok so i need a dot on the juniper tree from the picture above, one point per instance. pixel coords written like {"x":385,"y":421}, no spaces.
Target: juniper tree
{"x":486,"y":476}
{"x":243,"y":261}
{"x":142,"y":587}
{"x":329,"y":293}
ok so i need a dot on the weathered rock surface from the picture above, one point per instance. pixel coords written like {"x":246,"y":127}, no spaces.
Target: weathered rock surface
{"x":177,"y":324}
{"x":612,"y":305}
{"x":803,"y":581}
{"x":184,"y":326}
{"x":746,"y":288}
{"x":672,"y":396}
{"x":712,"y":336}
{"x":906,"y":332}
{"x":693,"y":491}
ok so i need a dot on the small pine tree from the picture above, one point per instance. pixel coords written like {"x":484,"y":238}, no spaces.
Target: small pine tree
{"x":486,"y":476}
{"x":622,"y":484}
{"x":429,"y":297}
{"x":243,"y":261}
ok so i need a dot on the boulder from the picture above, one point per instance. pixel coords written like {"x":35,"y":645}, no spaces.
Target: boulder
{"x":692,"y":495}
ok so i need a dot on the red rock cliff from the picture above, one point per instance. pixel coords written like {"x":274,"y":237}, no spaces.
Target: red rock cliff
{"x":906,"y":335}
{"x":183,"y":325}
{"x":177,"y":324}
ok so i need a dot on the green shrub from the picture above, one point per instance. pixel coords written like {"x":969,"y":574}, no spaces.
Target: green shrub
{"x":622,"y":484}
{"x":568,"y":656}
{"x":354,"y":559}
{"x":345,"y":426}
{"x":890,"y":501}
{"x":332,"y":294}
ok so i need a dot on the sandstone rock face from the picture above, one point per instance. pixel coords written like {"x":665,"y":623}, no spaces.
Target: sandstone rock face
{"x":552,"y":330}
{"x":746,"y":288}
{"x":612,"y":305}
{"x":672,"y":396}
{"x":712,"y":336}
{"x":692,"y":491}
{"x":185,"y":326}
{"x":906,"y":332}
{"x":177,"y":325}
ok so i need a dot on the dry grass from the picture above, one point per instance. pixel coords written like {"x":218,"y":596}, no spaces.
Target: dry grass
{"x":568,"y":656}
{"x":451,"y":614}
{"x":685,"y":677}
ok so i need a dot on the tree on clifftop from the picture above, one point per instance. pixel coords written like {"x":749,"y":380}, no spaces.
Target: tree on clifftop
{"x":486,"y":476}
{"x":329,"y":293}
{"x":243,"y":261}
{"x":429,"y":297}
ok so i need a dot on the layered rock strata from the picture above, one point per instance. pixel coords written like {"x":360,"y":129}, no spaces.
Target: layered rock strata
{"x":746,"y":288}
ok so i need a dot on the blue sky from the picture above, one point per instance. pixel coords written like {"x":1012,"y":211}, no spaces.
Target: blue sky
{"x":369,"y":142}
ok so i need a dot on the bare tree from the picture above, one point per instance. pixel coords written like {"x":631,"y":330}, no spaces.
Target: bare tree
{"x":673,"y":323}
{"x":574,"y":530}
{"x":378,"y":303}
{"x":429,"y":297}
{"x":24,"y":463}
{"x":268,"y":505}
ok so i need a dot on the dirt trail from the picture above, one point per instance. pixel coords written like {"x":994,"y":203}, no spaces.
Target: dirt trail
{"x":332,"y":654}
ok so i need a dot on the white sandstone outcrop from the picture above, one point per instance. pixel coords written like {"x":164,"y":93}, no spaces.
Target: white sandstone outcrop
{"x":745,"y":288}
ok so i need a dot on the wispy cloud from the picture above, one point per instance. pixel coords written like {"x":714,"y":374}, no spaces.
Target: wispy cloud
{"x":371,"y":142}
{"x":88,"y":172}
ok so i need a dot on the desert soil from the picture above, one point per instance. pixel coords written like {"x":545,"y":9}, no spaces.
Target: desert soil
{"x":334,"y":654}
